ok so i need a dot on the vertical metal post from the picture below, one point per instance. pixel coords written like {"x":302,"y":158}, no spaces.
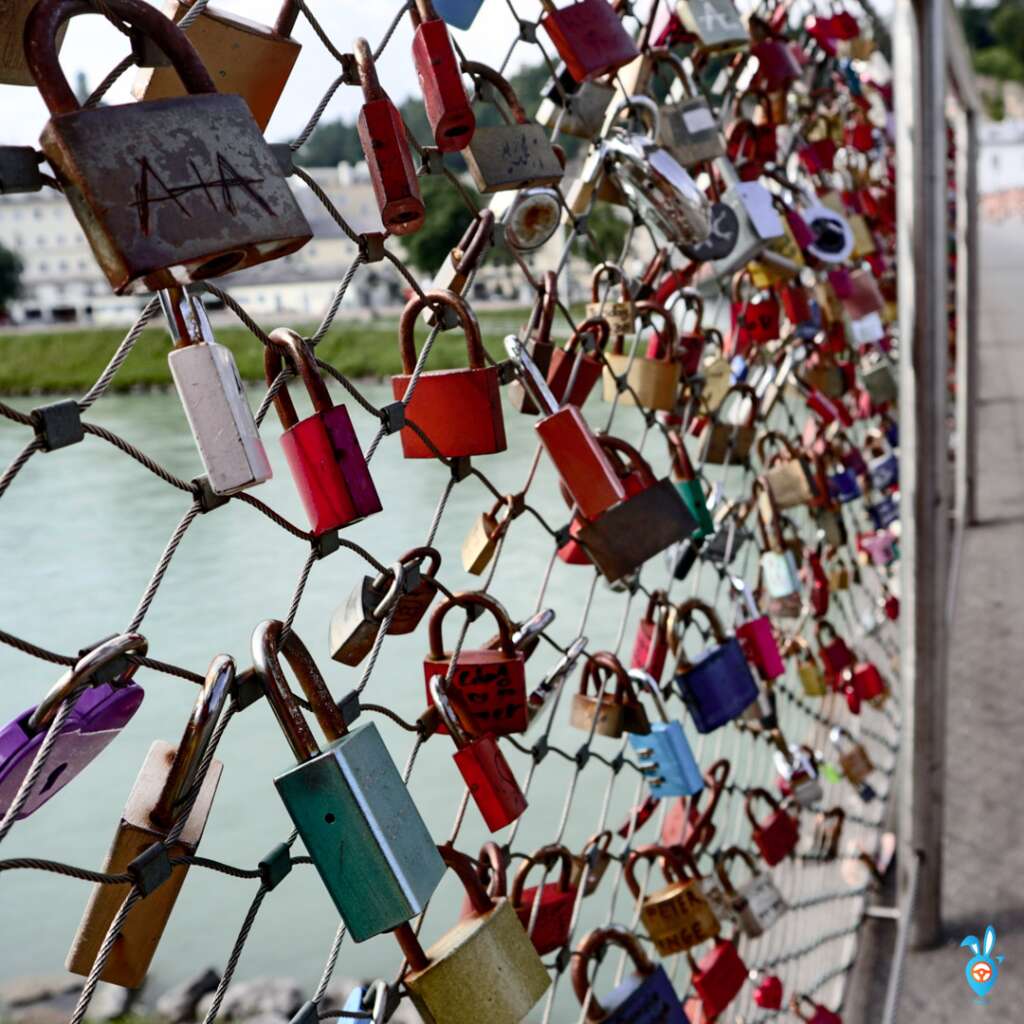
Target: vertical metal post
{"x":919,"y":62}
{"x":968,"y":303}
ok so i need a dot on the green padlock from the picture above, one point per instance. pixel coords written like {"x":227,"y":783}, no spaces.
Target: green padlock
{"x":348,"y":801}
{"x":689,"y":487}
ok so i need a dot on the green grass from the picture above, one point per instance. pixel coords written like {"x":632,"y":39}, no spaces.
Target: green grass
{"x":71,"y":360}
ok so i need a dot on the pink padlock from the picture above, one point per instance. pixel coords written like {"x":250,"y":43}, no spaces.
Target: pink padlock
{"x":757,"y":638}
{"x":819,"y":1013}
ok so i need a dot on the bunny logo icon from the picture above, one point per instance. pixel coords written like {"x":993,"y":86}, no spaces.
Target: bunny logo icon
{"x":982,"y":969}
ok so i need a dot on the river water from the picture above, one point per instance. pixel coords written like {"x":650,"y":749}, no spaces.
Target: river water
{"x":80,"y":532}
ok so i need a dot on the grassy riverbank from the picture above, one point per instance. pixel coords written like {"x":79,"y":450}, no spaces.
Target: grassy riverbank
{"x":70,"y":360}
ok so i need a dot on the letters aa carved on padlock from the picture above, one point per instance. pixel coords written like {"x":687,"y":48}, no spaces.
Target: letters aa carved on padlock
{"x":589,"y":36}
{"x":323,"y":452}
{"x":613,"y":708}
{"x":458,"y":410}
{"x":757,"y":904}
{"x":646,"y":994}
{"x":162,"y":793}
{"x":777,"y":835}
{"x":490,"y":682}
{"x":555,"y":900}
{"x":483,"y":969}
{"x":386,"y":149}
{"x":716,"y":23}
{"x":348,"y":802}
{"x":100,"y":712}
{"x":677,"y":917}
{"x":169,"y":191}
{"x":247,"y":59}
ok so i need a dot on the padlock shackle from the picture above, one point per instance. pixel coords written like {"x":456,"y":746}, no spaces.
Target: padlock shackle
{"x":469,"y":599}
{"x":267,"y":650}
{"x":195,"y":741}
{"x":48,"y":16}
{"x":682,"y":618}
{"x":768,"y":519}
{"x":444,"y":297}
{"x":647,"y":682}
{"x":287,"y":344}
{"x":445,"y":701}
{"x":762,"y":794}
{"x":722,"y":861}
{"x":695,"y":304}
{"x":367,"y":68}
{"x":491,"y":865}
{"x":608,"y":662}
{"x":773,"y":437}
{"x":823,"y":626}
{"x":701,"y":825}
{"x":609,"y":268}
{"x":673,"y":861}
{"x":549,"y":306}
{"x":663,"y":55}
{"x":418,"y":555}
{"x":78,"y":675}
{"x":421,"y":11}
{"x":669,"y":333}
{"x":639,"y":103}
{"x":615,"y":448}
{"x":682,"y":466}
{"x":548,"y":856}
{"x":475,"y":69}
{"x":598,"y":326}
{"x":286,"y":18}
{"x":475,"y":241}
{"x":745,"y":391}
{"x":465,"y":869}
{"x":593,"y":944}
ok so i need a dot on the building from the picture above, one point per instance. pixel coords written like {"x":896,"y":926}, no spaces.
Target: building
{"x":1001,"y":156}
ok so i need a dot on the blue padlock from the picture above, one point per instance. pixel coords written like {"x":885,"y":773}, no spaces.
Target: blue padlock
{"x":884,"y":512}
{"x":739,"y":368}
{"x":666,"y":758}
{"x":371,"y":999}
{"x":884,"y":471}
{"x":459,"y":13}
{"x":645,"y":997}
{"x":718,"y":686}
{"x":843,"y":486}
{"x":892,"y":433}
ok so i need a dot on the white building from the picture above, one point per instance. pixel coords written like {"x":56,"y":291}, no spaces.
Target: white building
{"x":1001,"y":156}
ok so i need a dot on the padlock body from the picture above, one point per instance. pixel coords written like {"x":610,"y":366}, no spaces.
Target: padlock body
{"x":608,"y":713}
{"x":554,"y":915}
{"x":459,"y":410}
{"x":572,"y":551}
{"x":620,"y":314}
{"x":491,"y":783}
{"x":655,"y":381}
{"x":728,"y":443}
{"x":719,"y":687}
{"x":561,"y":372}
{"x":868,"y":681}
{"x":459,"y":13}
{"x":644,"y":999}
{"x":590,"y":38}
{"x":13,"y":66}
{"x":448,"y":111}
{"x":757,"y":639}
{"x":364,"y":833}
{"x":650,"y":649}
{"x":791,"y":484}
{"x":716,"y":23}
{"x":144,"y":925}
{"x":353,"y":629}
{"x":758,"y":905}
{"x":777,"y":837}
{"x":244,"y":58}
{"x":512,"y":156}
{"x":856,"y":764}
{"x":382,"y":135}
{"x":719,"y":977}
{"x":329,"y":470}
{"x":670,"y":759}
{"x":781,"y":578}
{"x":678,"y":918}
{"x":174,"y":191}
{"x":692,"y":494}
{"x":493,"y":950}
{"x":480,"y":543}
{"x":219,"y":416}
{"x":492,"y":685}
{"x":836,"y":656}
{"x":690,"y":132}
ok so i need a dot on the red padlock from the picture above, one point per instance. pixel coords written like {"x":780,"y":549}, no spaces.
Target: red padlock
{"x":818,"y":1013}
{"x":718,"y":977}
{"x":818,"y":579}
{"x":448,"y":109}
{"x":650,"y":648}
{"x":691,"y":342}
{"x":574,"y":371}
{"x":386,"y":149}
{"x":570,"y":550}
{"x":633,"y":469}
{"x":835,"y":654}
{"x":754,"y":321}
{"x":818,"y":156}
{"x":795,"y":303}
{"x":757,"y":638}
{"x":687,"y":824}
{"x":768,"y":994}
{"x":776,"y":837}
{"x":323,"y":451}
{"x":459,"y":410}
{"x":867,"y":680}
{"x":777,"y":67}
{"x":490,"y":869}
{"x":550,"y":929}
{"x":589,"y":36}
{"x":481,"y":763}
{"x":490,"y":682}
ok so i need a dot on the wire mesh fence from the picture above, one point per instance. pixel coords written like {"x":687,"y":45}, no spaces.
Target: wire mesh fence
{"x":595,"y":782}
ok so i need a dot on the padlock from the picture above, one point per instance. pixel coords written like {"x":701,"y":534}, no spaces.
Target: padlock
{"x":460,"y":13}
{"x":755,"y":320}
{"x":716,"y":24}
{"x":757,"y":636}
{"x":574,"y":371}
{"x":405,"y":591}
{"x":677,"y":916}
{"x":613,"y":709}
{"x":348,"y":802}
{"x":490,"y":682}
{"x":883,"y":466}
{"x":777,"y":835}
{"x":801,"y":1005}
{"x":323,"y":452}
{"x":836,"y":656}
{"x":459,"y":410}
{"x":168,"y":781}
{"x":590,"y":865}
{"x":815,"y":575}
{"x":689,"y":827}
{"x":142,"y":178}
{"x":645,"y":997}
{"x":717,"y":977}
{"x":106,"y":705}
{"x":538,"y":344}
{"x":758,"y":223}
{"x":787,"y":473}
{"x":14,"y":68}
{"x":368,"y":1002}
{"x":213,"y":397}
{"x":589,"y":36}
{"x":631,"y":378}
{"x":769,"y":993}
{"x":483,"y":969}
{"x":756,"y":904}
{"x":530,"y":216}
{"x":620,"y":313}
{"x":689,"y":487}
{"x":798,"y":772}
{"x":692,"y":340}
{"x":731,"y":435}
{"x":689,"y":128}
{"x":582,"y":463}
{"x":879,"y":381}
{"x":718,"y":686}
{"x":480,"y":761}
{"x":481,"y":542}
{"x":576,"y":108}
{"x":514,"y":155}
{"x":867,"y":681}
{"x":448,"y":111}
{"x":778,"y":562}
{"x":828,"y":831}
{"x":386,"y":151}
{"x":245,"y":58}
{"x":651,"y":645}
{"x":854,"y":761}
{"x":556,"y":900}
{"x":666,"y":759}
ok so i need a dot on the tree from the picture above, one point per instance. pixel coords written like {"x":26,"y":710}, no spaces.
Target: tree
{"x":608,"y":227}
{"x":10,"y":277}
{"x":446,"y":222}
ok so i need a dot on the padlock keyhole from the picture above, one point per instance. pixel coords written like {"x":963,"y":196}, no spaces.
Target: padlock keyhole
{"x":52,"y":778}
{"x":329,"y":818}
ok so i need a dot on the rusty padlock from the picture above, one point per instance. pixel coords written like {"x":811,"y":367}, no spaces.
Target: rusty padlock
{"x":481,"y":542}
{"x":589,"y":36}
{"x":613,"y":708}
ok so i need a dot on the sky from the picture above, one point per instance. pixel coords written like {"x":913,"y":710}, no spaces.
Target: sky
{"x":95,"y":47}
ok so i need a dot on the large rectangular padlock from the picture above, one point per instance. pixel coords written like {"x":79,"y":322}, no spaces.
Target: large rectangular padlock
{"x":165,"y":782}
{"x":589,"y":36}
{"x":354,"y":813}
{"x":718,"y":977}
{"x":213,"y":397}
{"x":167,"y":191}
{"x":323,"y":452}
{"x":716,"y":23}
{"x":245,"y":58}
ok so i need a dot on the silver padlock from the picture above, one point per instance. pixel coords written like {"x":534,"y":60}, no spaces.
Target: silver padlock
{"x":756,"y":904}
{"x":689,"y":129}
{"x":716,"y":23}
{"x":797,"y":766}
{"x":214,"y":399}
{"x":759,"y":220}
{"x":577,"y":110}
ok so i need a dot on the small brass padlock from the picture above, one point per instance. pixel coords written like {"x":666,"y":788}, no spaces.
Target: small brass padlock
{"x":481,"y":542}
{"x":619,"y":313}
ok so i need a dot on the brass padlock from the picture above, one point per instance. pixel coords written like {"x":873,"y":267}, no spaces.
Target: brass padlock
{"x":481,"y":542}
{"x":653,"y":378}
{"x":854,"y":760}
{"x":606,"y":711}
{"x":13,"y":66}
{"x":577,"y":109}
{"x":786,"y":471}
{"x":159,"y":797}
{"x":245,"y":58}
{"x":620,"y":312}
{"x":731,"y":435}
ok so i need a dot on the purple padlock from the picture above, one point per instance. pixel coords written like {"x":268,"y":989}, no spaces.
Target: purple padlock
{"x":100,"y":713}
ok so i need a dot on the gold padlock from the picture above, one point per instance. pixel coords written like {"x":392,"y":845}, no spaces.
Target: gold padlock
{"x":606,"y":711}
{"x":481,"y":542}
{"x":786,"y":471}
{"x":157,"y":799}
{"x":731,"y":435}
{"x":678,"y":916}
{"x":854,"y":761}
{"x":654,"y":382}
{"x":811,"y":677}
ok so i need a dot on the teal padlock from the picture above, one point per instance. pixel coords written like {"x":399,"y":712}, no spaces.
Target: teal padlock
{"x":689,"y":487}
{"x":348,"y":801}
